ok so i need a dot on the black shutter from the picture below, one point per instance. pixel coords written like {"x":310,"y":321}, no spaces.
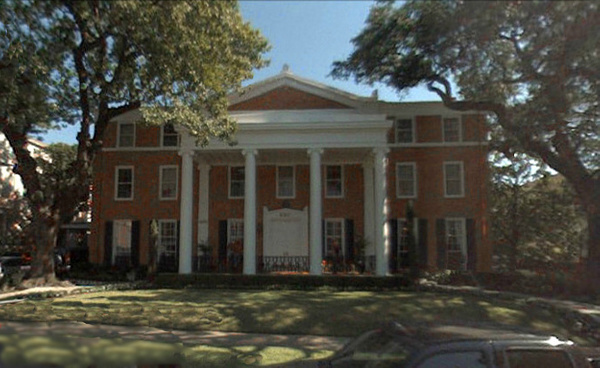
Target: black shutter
{"x":222,"y":241}
{"x":471,"y":246}
{"x":349,"y":229}
{"x":440,"y":231}
{"x":135,"y":243}
{"x":422,"y":251}
{"x":393,"y":260}
{"x":108,"y":237}
{"x":323,"y":239}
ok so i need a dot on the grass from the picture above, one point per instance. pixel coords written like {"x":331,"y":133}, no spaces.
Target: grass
{"x":320,"y":312}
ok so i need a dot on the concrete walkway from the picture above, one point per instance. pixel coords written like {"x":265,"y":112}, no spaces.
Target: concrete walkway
{"x":211,"y":338}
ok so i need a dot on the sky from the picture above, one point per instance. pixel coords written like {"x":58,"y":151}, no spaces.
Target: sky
{"x":309,"y":36}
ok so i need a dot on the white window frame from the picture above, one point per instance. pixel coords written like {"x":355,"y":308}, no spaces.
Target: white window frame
{"x":460,"y":128}
{"x":160,"y":182}
{"x":116,"y":181}
{"x":413,"y":129}
{"x":293,"y":195}
{"x":462,"y":239}
{"x":121,"y":123}
{"x":342,"y":223}
{"x":414,"y":171}
{"x":341,"y":195}
{"x":229,"y":168}
{"x":160,"y":235}
{"x":162,"y":137}
{"x":230,"y":223}
{"x":462,"y":179}
{"x":115,"y":237}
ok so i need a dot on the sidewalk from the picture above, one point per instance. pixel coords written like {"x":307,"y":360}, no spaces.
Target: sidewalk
{"x":211,"y":338}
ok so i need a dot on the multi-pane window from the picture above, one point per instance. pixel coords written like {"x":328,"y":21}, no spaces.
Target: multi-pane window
{"x":170,"y":137}
{"x":121,"y":254}
{"x":167,"y":238}
{"x":126,"y":135}
{"x":334,"y":180}
{"x":124,"y":182}
{"x":236,"y":182}
{"x":452,"y":130}
{"x":455,"y":235}
{"x":453,"y":179}
{"x":235,"y":231}
{"x":285,"y":182}
{"x":404,"y":131}
{"x":334,"y":237}
{"x":406,"y":178}
{"x":168,"y":182}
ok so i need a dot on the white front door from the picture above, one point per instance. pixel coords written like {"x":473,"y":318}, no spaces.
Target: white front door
{"x":285,"y":232}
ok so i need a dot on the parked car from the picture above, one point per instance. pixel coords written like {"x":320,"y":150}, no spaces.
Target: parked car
{"x":14,"y":262}
{"x":395,"y":345}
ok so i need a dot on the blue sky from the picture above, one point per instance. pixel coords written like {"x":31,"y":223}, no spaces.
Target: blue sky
{"x":308,"y":36}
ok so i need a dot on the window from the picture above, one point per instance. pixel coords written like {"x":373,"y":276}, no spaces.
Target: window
{"x":453,"y":179}
{"x":406,"y":180}
{"x":452,"y":130}
{"x":167,"y":239}
{"x":168,"y":182}
{"x":334,"y":238}
{"x":124,"y":182}
{"x":285,"y":182}
{"x":472,"y":359}
{"x":126,"y":135}
{"x":404,"y":131}
{"x":523,"y":358}
{"x":236,"y":182}
{"x":334,"y":179}
{"x":456,"y":235}
{"x":235,"y":231}
{"x":169,"y":136}
{"x":121,"y":255}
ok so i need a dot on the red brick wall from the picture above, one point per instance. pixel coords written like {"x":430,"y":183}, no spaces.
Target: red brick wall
{"x":286,"y":98}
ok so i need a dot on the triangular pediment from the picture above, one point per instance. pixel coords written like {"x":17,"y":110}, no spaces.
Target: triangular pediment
{"x":287,"y":91}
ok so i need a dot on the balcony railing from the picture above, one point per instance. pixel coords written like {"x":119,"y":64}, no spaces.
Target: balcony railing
{"x":282,"y":264}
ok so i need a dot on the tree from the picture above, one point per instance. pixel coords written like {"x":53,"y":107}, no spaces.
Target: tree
{"x":532,"y":65}
{"x":536,"y":222}
{"x":85,"y":62}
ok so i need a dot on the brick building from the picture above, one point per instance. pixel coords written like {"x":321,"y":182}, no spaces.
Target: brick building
{"x":319,"y":177}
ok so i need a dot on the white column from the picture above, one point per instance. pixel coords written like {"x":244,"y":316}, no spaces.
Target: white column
{"x":203,"y":202}
{"x":369,"y":207}
{"x":250,"y":212}
{"x":382,"y":243}
{"x":186,"y":207}
{"x":316,"y":212}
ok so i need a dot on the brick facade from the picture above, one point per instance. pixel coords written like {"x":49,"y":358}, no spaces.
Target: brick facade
{"x":428,"y":153}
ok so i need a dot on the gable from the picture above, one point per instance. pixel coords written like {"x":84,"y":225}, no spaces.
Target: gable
{"x":287,"y":98}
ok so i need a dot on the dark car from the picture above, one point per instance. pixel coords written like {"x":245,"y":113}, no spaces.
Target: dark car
{"x":446,"y":346}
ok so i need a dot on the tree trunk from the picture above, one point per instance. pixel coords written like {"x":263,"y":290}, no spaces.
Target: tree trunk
{"x":46,"y":232}
{"x":591,"y":281}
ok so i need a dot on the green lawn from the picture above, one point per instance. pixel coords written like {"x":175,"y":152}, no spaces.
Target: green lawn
{"x":274,"y":312}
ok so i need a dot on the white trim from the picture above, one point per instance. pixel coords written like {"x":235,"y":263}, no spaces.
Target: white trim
{"x":463,"y":239}
{"x":119,"y":124}
{"x":229,"y":167}
{"x":231,"y":221}
{"x":293,"y":182}
{"x":115,"y":235}
{"x":462,"y":179}
{"x":460,"y":128}
{"x":116,"y":182}
{"x":327,"y":195}
{"x":413,"y":129}
{"x":160,"y":182}
{"x":415,"y":181}
{"x":162,"y":136}
{"x":341,"y":221}
{"x":159,"y":245}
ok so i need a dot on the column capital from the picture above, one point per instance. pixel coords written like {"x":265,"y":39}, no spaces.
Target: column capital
{"x":186,"y":152}
{"x":381,"y":150}
{"x":250,"y":151}
{"x":315,"y":150}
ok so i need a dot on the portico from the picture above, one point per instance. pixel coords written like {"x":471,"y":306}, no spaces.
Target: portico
{"x":312,"y":138}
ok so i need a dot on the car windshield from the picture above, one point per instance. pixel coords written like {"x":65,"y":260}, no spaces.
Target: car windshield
{"x":376,"y":349}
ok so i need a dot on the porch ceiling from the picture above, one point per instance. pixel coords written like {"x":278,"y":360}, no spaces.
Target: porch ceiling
{"x":283,"y":157}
